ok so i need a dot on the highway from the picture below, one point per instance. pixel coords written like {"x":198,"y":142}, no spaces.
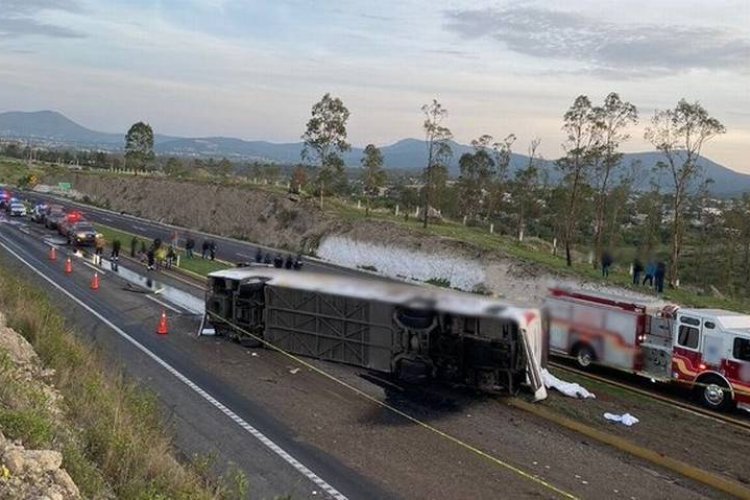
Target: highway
{"x":325,"y":440}
{"x":228,"y":249}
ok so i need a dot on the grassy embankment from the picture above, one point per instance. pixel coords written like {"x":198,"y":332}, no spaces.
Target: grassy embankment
{"x":112,"y":434}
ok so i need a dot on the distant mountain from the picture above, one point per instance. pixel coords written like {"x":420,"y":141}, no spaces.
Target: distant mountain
{"x":55,"y":130}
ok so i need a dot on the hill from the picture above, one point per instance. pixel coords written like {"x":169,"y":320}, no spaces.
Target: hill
{"x":53,"y":129}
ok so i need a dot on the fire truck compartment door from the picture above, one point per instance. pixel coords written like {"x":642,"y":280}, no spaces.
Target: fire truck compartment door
{"x":712,"y":350}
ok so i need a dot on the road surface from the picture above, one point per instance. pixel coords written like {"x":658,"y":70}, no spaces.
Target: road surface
{"x":467,"y":446}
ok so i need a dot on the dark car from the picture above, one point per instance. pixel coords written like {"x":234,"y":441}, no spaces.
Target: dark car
{"x":64,"y":225}
{"x":81,"y":234}
{"x":54,"y":216}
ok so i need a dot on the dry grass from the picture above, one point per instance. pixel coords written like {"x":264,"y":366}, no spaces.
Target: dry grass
{"x":114,"y":441}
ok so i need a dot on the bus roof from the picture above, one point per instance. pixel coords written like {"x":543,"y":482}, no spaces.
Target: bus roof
{"x":384,"y":291}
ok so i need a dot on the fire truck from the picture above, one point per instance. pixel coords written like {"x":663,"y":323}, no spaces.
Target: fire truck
{"x":706,"y":349}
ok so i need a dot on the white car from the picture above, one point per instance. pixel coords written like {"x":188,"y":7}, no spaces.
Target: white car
{"x":17,"y":210}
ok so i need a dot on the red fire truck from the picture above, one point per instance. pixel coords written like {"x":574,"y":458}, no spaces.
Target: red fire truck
{"x":708,"y":349}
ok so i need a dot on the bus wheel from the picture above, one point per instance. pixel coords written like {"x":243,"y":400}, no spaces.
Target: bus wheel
{"x":713,"y":393}
{"x":584,"y":355}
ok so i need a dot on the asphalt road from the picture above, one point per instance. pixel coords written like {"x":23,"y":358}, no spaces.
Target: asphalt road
{"x":200,"y":426}
{"x":360,"y":449}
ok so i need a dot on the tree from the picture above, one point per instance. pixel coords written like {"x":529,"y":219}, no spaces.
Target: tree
{"x":439,"y":151}
{"x":299,"y":179}
{"x":139,"y":146}
{"x":374,"y":175}
{"x":679,"y":134}
{"x":174,"y":167}
{"x":582,"y":135}
{"x":325,"y":142}
{"x":609,"y":123}
{"x":224,"y":168}
{"x":476,"y":172}
{"x":525,"y":190}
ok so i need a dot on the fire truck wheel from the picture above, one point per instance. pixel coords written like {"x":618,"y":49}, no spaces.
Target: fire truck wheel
{"x":584,"y":355}
{"x":713,"y":393}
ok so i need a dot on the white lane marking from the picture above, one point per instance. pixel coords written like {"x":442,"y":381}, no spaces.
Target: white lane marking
{"x":162,"y":303}
{"x":95,"y":268}
{"x":301,"y":468}
{"x":139,"y":228}
{"x":108,"y":219}
{"x":244,"y":255}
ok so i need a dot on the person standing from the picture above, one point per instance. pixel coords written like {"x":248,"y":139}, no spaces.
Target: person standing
{"x":278,"y":261}
{"x":637,"y":270}
{"x":607,"y":261}
{"x":150,"y":258}
{"x":171,"y":256}
{"x":212,"y":249}
{"x":98,"y":248}
{"x":650,"y":271}
{"x":289,"y":262}
{"x":115,"y":256}
{"x":189,"y":245}
{"x":204,"y":249}
{"x":661,"y":271}
{"x":258,"y":256}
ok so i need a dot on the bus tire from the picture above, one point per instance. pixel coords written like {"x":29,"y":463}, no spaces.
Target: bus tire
{"x":584,"y":355}
{"x":714,"y":393}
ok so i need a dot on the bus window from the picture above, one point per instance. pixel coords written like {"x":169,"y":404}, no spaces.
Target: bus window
{"x":741,"y":349}
{"x":687,"y":336}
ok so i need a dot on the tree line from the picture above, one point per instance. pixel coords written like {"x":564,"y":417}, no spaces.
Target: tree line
{"x":584,"y":203}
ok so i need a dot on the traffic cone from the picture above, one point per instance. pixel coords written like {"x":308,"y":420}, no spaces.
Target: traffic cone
{"x":95,"y":281}
{"x":52,"y":253}
{"x":68,"y":266}
{"x":163,"y":329}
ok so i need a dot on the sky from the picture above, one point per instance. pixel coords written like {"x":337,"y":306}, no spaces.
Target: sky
{"x":253,"y":70}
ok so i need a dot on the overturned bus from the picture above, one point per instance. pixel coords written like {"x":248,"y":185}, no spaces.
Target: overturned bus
{"x":412,"y":332}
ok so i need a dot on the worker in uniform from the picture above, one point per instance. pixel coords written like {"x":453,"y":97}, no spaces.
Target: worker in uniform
{"x":289,"y":262}
{"x":98,"y":248}
{"x":278,"y":261}
{"x":212,"y":249}
{"x":171,"y":257}
{"x":258,"y":256}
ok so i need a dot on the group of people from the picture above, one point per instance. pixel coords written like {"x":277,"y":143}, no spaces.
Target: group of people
{"x":155,"y":256}
{"x":208,"y":249}
{"x":278,"y":261}
{"x":653,"y":272}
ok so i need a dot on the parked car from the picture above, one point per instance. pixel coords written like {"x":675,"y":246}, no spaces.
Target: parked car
{"x":5,"y":197}
{"x":53,"y":217}
{"x":39,"y":212}
{"x":81,"y":234}
{"x":17,"y":209}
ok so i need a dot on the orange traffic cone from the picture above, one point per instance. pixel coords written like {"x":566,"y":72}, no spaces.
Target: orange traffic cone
{"x":163,"y":329}
{"x":68,"y":266}
{"x":95,"y":282}
{"x":52,"y":253}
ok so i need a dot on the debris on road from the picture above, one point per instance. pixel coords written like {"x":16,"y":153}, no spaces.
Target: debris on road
{"x":570,"y":389}
{"x":626,"y":419}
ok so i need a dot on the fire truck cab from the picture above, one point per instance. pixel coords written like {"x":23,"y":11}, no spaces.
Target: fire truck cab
{"x":707,"y":349}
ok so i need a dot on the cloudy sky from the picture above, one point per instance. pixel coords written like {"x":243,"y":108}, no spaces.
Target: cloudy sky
{"x":253,"y":69}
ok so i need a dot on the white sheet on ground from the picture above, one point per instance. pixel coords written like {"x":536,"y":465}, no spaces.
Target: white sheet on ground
{"x":626,"y":419}
{"x":569,"y":389}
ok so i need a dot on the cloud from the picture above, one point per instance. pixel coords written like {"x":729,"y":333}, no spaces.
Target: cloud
{"x":18,"y":18}
{"x":604,"y":48}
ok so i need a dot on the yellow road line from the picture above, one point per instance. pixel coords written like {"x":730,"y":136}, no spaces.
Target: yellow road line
{"x":424,"y":425}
